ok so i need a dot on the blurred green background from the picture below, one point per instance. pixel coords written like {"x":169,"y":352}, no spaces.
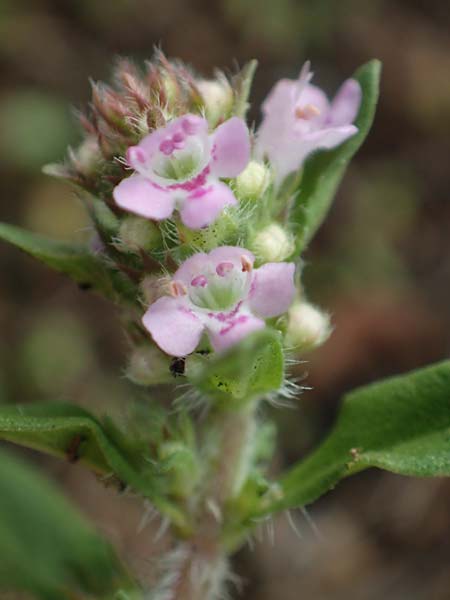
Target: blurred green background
{"x":380,"y":264}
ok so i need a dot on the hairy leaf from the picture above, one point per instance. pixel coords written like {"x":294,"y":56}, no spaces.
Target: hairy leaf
{"x":69,"y":432}
{"x":324,"y":170}
{"x":401,"y":425}
{"x":46,"y":547}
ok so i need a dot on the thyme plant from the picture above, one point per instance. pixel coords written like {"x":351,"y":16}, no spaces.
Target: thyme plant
{"x":199,"y":224}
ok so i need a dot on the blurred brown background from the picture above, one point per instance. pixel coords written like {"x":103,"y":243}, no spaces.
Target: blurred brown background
{"x":380,"y":264}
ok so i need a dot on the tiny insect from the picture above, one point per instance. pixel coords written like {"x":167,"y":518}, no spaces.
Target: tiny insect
{"x":177,"y":366}
{"x":72,"y":452}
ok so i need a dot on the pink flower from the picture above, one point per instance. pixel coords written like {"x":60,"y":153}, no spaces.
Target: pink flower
{"x":221,"y":294}
{"x":298,"y":119}
{"x":179,"y":166}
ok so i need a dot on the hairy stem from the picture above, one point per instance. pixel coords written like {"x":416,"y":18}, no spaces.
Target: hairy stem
{"x":202,"y":568}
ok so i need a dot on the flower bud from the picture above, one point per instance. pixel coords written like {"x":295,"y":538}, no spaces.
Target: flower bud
{"x":217,"y":97}
{"x":86,"y":159}
{"x":136,"y":233}
{"x":273,"y":244}
{"x":148,"y":366}
{"x":308,"y":327}
{"x":253,"y":181}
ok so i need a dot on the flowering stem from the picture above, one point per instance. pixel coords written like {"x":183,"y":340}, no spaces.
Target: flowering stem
{"x":202,"y":569}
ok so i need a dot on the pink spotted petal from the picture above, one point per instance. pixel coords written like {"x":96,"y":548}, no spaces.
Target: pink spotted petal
{"x":173,"y":326}
{"x":273,"y":289}
{"x":234,"y":331}
{"x":231,"y":148}
{"x":139,"y":157}
{"x":204,"y":205}
{"x":139,"y":196}
{"x":346,"y":103}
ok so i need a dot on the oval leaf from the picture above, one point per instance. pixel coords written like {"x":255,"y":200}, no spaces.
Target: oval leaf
{"x":401,"y":424}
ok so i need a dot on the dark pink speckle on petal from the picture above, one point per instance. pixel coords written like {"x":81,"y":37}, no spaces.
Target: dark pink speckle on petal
{"x":192,"y":184}
{"x":224,"y":317}
{"x":232,"y":323}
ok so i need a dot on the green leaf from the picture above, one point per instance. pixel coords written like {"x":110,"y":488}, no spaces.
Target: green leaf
{"x":73,"y":260}
{"x":46,"y":547}
{"x":401,"y":425}
{"x":69,"y":432}
{"x":324,"y":170}
{"x":254,"y":367}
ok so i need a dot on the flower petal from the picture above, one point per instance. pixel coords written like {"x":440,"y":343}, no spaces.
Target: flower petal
{"x":191,"y":267}
{"x":230,"y":253}
{"x":173,"y":326}
{"x":326,"y":138}
{"x":231,"y":148}
{"x":273,"y":289}
{"x":138,"y":195}
{"x":234,"y":331}
{"x":346,"y":103}
{"x":204,"y":205}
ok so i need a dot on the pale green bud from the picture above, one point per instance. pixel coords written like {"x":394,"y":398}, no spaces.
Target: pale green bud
{"x":308,"y":327}
{"x":217,"y":97}
{"x":148,"y":366}
{"x":273,"y":243}
{"x":136,"y":233}
{"x":253,"y":181}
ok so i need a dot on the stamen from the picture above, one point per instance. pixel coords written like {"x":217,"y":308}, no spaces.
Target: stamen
{"x":167,"y":146}
{"x":199,"y":281}
{"x":224,"y":268}
{"x":178,"y":140}
{"x":135,"y":155}
{"x":246,"y":263}
{"x":190,"y":126}
{"x":177,"y":289}
{"x":309,"y":111}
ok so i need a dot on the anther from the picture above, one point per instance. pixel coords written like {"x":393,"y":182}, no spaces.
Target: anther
{"x":167,"y":146}
{"x":135,"y":155}
{"x":177,"y":289}
{"x":309,"y":111}
{"x":224,"y":268}
{"x":246,"y":263}
{"x":199,"y":281}
{"x":189,"y":125}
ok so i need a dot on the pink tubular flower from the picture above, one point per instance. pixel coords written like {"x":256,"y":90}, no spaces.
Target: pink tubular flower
{"x":179,"y":166}
{"x":222,"y":294}
{"x":298,"y":119}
